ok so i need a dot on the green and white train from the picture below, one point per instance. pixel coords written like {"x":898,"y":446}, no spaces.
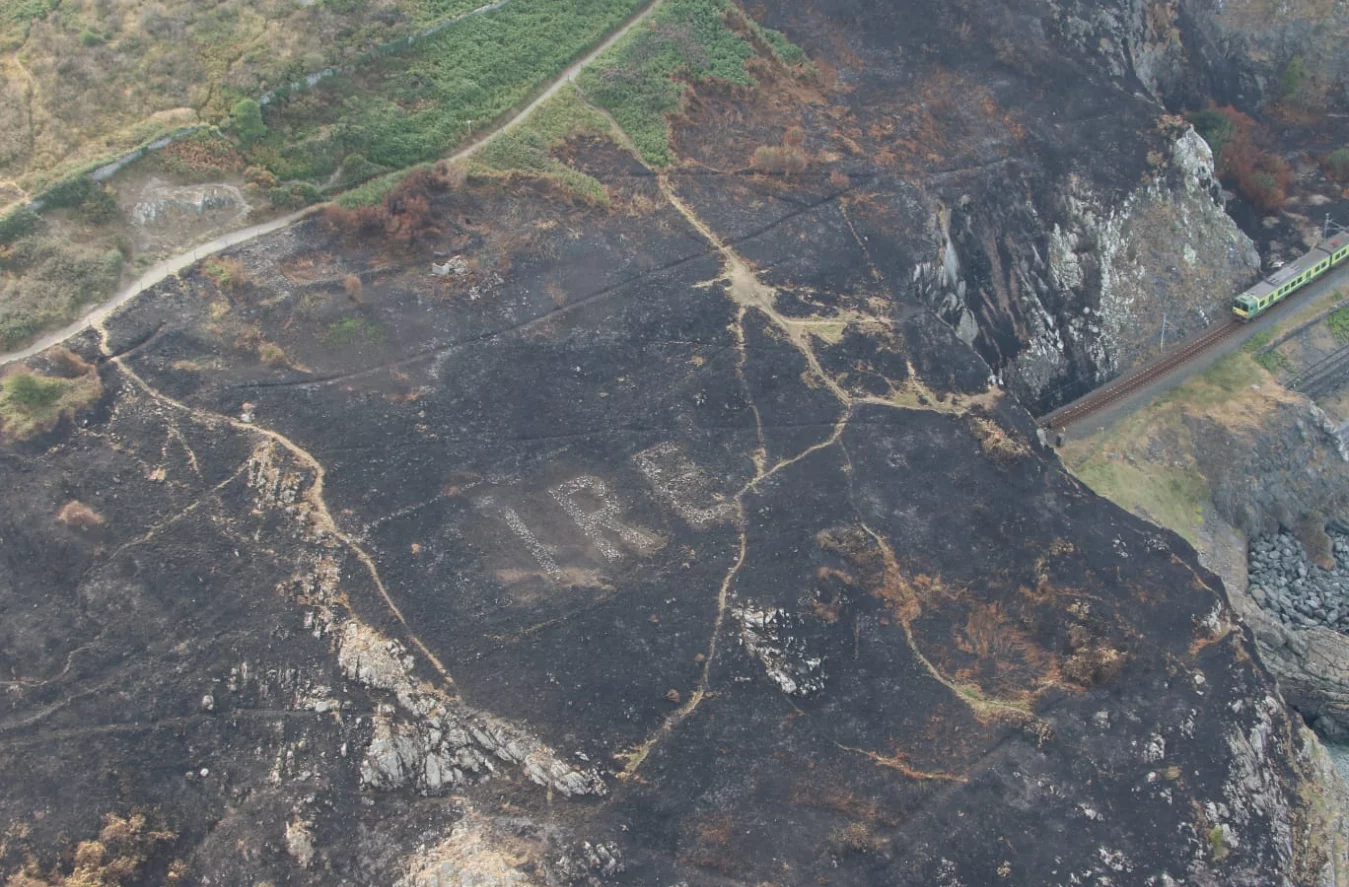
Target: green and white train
{"x":1291,"y":277}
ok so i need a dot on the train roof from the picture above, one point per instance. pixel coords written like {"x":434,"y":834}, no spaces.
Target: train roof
{"x":1259,"y":291}
{"x":1296,"y":267}
{"x":1337,"y":242}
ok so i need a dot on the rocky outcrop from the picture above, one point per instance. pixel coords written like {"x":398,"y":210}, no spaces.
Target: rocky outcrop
{"x":1118,"y":273}
{"x":1293,"y":611}
{"x":1185,"y":52}
{"x":1273,"y":473}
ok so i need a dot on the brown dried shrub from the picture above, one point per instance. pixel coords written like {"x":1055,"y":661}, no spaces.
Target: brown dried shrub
{"x":839,"y":179}
{"x":453,"y":175}
{"x":1260,"y":177}
{"x":76,"y":514}
{"x":857,"y":837}
{"x":780,"y":160}
{"x":271,"y":354}
{"x":354,"y":288}
{"x":228,"y":272}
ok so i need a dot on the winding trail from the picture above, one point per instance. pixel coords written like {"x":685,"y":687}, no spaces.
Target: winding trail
{"x":168,"y":267}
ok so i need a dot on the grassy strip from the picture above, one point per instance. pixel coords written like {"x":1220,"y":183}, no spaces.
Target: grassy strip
{"x":525,"y":149}
{"x":1338,"y":323}
{"x":375,"y":190}
{"x":1146,"y":463}
{"x":413,"y":107}
{"x":634,"y":80}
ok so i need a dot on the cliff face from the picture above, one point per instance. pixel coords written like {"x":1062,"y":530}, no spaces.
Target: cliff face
{"x":1122,"y":274}
{"x":1184,"y":52}
{"x":1052,"y":212}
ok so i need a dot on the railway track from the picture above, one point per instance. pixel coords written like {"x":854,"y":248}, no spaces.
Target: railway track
{"x":1124,"y":386}
{"x":1323,"y":376}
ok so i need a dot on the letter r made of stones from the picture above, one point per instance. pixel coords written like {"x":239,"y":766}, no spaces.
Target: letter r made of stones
{"x":600,"y":523}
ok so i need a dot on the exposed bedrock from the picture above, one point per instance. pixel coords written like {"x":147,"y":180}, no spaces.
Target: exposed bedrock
{"x":1025,"y":186}
{"x":1184,"y":52}
{"x":1282,"y":475}
{"x":1276,"y":471}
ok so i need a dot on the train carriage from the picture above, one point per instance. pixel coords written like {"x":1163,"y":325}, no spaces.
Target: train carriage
{"x":1292,"y":277}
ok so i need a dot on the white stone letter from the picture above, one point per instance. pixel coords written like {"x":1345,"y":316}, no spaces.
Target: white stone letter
{"x":603,"y":518}
{"x":517,"y":525}
{"x":677,"y":480}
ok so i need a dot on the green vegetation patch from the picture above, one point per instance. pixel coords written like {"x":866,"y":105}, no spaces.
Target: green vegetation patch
{"x":1216,"y":128}
{"x":352,"y":331}
{"x":526,"y":148}
{"x":30,"y":403}
{"x":1171,"y":497}
{"x":16,"y":16}
{"x":635,"y":80}
{"x":407,"y":108}
{"x":1273,"y":360}
{"x":1338,"y":324}
{"x":1338,"y":163}
{"x":373,"y":191}
{"x":1258,"y":341}
{"x":45,"y":282}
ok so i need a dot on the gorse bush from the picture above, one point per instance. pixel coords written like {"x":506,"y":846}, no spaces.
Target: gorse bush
{"x":17,"y":223}
{"x":1293,"y":82}
{"x":246,"y":119}
{"x":1215,"y":128}
{"x":33,"y":393}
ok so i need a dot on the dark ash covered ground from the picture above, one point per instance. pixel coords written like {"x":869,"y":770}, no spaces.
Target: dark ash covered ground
{"x":608,"y":558}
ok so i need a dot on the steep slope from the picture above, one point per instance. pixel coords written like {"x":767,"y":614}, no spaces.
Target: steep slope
{"x":633,"y":524}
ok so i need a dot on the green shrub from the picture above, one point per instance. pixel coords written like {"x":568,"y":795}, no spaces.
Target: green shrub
{"x":100,"y":206}
{"x":356,"y":169}
{"x":1338,"y":164}
{"x":1293,"y":81}
{"x":350,"y":330}
{"x":786,"y":51}
{"x":373,"y":191}
{"x":1216,"y":128}
{"x":1338,"y":323}
{"x":15,"y":329}
{"x":32,"y":393}
{"x":246,"y":119}
{"x":18,"y":223}
{"x":294,"y":196}
{"x":91,"y":38}
{"x":69,"y":193}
